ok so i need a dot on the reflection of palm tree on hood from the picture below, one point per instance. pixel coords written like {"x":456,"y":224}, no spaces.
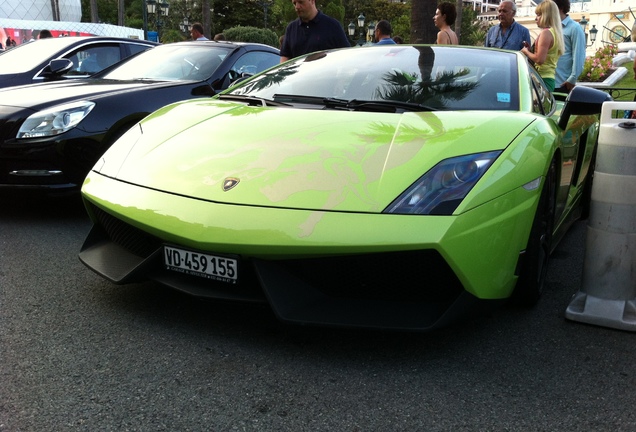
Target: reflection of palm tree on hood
{"x":430,"y":90}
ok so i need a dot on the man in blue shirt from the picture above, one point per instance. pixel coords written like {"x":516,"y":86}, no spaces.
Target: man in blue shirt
{"x":571,"y":62}
{"x":509,"y":34}
{"x":383,"y":32}
{"x":312,"y":31}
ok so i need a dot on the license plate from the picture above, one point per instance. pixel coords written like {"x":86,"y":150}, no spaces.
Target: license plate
{"x":199,"y":264}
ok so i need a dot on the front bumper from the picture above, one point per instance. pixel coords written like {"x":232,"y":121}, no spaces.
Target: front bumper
{"x":326,"y":268}
{"x":47,"y":164}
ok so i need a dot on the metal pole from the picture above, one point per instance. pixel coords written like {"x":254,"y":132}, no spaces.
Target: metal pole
{"x":145,"y":15}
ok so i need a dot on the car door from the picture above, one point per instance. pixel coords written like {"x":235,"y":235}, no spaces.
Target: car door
{"x":569,"y":142}
{"x":91,"y":58}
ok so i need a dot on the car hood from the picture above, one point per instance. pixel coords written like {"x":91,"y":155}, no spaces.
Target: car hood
{"x":297,"y":158}
{"x":9,"y":79}
{"x":38,"y":96}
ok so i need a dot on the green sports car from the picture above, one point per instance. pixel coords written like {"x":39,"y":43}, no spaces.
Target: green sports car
{"x":391,"y":186}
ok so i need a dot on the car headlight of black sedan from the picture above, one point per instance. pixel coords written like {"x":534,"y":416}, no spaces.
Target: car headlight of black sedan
{"x":55,"y":120}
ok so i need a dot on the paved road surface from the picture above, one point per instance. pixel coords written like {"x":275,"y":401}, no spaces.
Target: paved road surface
{"x":79,"y":354}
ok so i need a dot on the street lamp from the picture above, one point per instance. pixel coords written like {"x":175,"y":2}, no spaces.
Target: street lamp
{"x":593,"y":31}
{"x":351,"y":28}
{"x":266,"y":5}
{"x":159,"y":9}
{"x":185,"y":25}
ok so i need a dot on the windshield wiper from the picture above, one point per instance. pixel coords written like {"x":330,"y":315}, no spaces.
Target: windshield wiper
{"x":251,"y":100}
{"x":313,"y":100}
{"x":356,"y":104}
{"x":388,"y":106}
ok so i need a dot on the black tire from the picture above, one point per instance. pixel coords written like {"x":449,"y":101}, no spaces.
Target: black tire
{"x":537,"y":256}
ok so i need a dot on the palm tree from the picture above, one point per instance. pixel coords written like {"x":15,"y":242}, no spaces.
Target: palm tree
{"x":55,"y":8}
{"x":207,"y":21}
{"x":458,"y":21}
{"x":121,"y":7}
{"x":94,"y":13}
{"x":422,"y":28}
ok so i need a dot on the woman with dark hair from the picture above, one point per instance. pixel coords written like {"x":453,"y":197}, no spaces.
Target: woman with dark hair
{"x":444,"y":18}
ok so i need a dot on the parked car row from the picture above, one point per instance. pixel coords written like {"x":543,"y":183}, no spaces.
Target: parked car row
{"x":52,"y":133}
{"x":395,"y":186}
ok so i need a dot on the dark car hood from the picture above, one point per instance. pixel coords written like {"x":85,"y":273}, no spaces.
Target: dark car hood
{"x":37,"y":96}
{"x":7,"y":80}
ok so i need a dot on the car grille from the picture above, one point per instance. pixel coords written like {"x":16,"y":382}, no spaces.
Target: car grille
{"x":415,"y":276}
{"x":130,"y":238}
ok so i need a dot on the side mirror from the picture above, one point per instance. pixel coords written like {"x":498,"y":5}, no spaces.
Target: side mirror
{"x":58,"y":67}
{"x":583,"y":101}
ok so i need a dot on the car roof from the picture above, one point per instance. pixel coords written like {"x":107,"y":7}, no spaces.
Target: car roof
{"x":61,"y":42}
{"x":225,"y":43}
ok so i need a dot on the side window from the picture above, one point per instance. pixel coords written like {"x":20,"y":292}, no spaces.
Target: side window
{"x":542,"y":100}
{"x":91,"y":59}
{"x":254,"y":62}
{"x":137,"y":48}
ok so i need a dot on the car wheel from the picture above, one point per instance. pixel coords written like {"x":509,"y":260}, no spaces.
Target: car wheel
{"x":535,"y":264}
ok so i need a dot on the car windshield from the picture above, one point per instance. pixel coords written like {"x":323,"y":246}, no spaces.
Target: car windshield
{"x":422,"y":77}
{"x":171,"y":63}
{"x":28,"y":55}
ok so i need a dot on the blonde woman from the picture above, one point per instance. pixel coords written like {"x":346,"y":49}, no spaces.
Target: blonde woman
{"x":549,"y":44}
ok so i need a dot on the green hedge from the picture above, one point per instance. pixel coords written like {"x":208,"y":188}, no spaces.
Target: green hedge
{"x":251,"y":34}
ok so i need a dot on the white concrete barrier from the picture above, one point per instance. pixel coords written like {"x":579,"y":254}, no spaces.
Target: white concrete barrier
{"x":608,"y":289}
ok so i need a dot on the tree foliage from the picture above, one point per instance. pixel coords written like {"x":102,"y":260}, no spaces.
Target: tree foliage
{"x":472,"y":30}
{"x":251,"y":34}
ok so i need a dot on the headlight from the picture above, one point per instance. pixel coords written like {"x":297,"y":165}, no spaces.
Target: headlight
{"x":55,"y":120}
{"x":441,"y":189}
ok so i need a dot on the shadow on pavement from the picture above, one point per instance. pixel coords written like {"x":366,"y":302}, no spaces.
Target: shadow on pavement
{"x":37,"y":206}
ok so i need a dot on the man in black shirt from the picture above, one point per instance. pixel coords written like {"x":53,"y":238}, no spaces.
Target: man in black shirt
{"x":312,"y":31}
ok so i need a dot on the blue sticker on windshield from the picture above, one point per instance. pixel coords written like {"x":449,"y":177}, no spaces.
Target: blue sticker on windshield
{"x":503,"y":97}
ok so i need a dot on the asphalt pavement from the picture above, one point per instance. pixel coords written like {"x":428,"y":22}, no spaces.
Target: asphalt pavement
{"x":80,"y":354}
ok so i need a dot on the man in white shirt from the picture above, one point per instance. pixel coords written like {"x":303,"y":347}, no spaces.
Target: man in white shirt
{"x":197,"y":32}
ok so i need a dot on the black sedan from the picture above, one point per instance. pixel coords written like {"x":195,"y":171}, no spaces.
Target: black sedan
{"x":38,"y":61}
{"x":51,"y":134}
